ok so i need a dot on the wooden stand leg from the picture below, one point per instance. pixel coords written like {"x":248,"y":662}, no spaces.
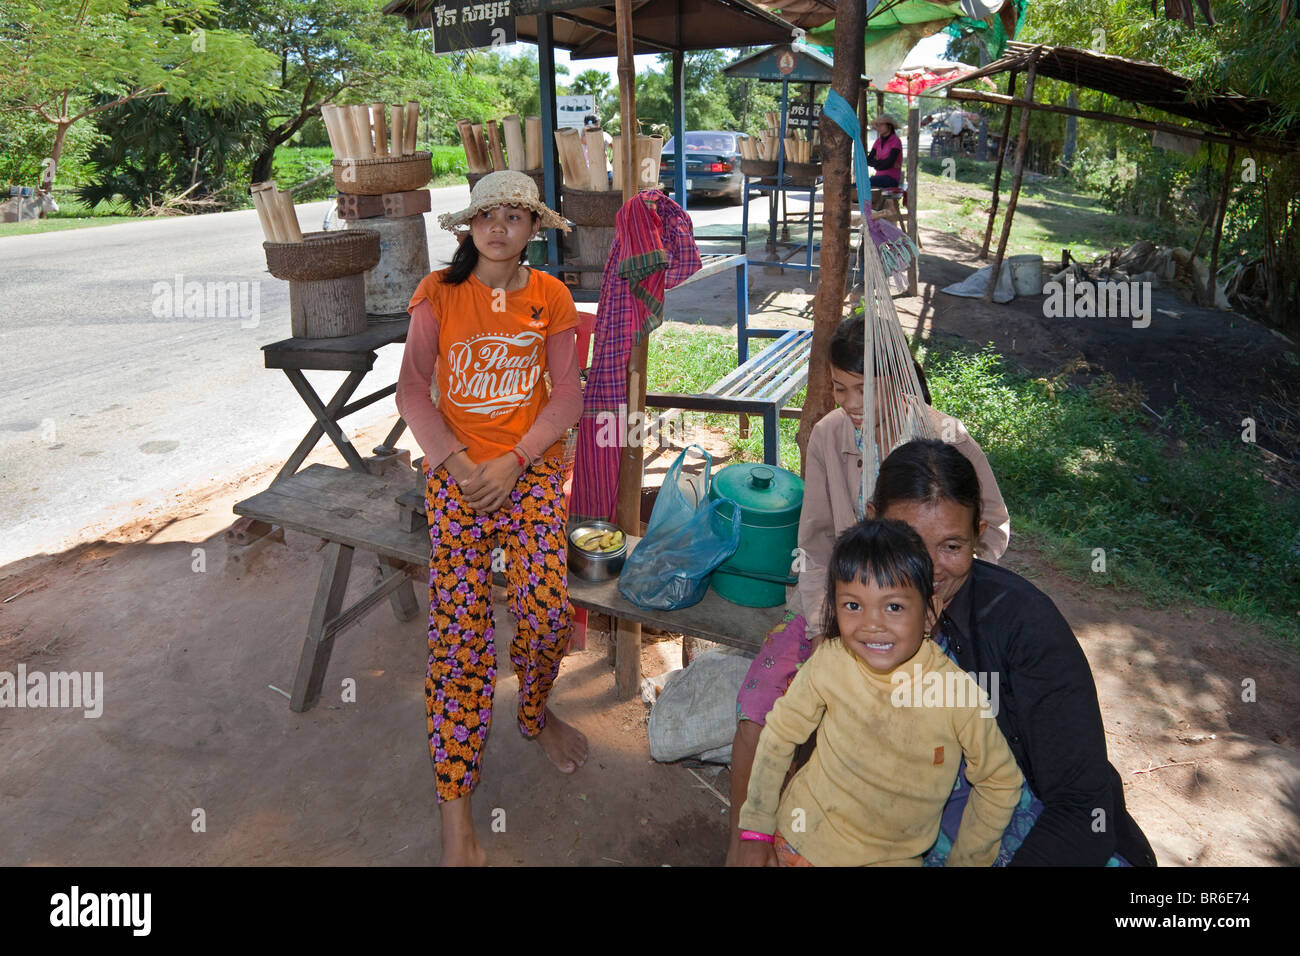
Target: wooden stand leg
{"x":627,"y":661}
{"x":320,"y":639}
{"x":405,"y":606}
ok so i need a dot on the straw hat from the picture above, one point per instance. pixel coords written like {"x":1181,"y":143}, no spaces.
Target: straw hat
{"x":506,"y":187}
{"x":885,"y":118}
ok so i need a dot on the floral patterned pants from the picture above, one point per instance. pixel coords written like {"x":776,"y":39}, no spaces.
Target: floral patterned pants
{"x":529,"y":531}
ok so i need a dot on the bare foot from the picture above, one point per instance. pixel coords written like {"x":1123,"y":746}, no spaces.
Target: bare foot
{"x":460,"y":846}
{"x":563,"y":743}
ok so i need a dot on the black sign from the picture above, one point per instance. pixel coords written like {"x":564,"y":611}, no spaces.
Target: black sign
{"x":797,"y":117}
{"x":464,"y":26}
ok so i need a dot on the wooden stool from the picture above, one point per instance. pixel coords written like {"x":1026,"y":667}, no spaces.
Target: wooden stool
{"x":889,"y":205}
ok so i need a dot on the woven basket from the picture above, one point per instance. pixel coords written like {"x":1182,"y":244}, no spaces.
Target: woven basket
{"x":323,"y":255}
{"x":588,"y":207}
{"x":757,"y":167}
{"x":383,"y":174}
{"x":801,"y":174}
{"x":536,"y":175}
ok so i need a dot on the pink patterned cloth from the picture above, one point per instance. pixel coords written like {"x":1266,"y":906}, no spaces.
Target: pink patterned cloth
{"x":654,"y":249}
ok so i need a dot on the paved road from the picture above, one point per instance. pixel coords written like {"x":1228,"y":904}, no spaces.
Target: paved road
{"x":106,"y":398}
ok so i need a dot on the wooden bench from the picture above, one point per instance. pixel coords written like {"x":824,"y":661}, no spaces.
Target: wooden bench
{"x":761,"y":386}
{"x":352,"y":510}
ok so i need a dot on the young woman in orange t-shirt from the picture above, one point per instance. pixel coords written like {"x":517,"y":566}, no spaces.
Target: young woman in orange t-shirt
{"x":484,"y":333}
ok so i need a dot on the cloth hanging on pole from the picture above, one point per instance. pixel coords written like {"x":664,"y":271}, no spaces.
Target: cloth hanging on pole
{"x":654,"y":250}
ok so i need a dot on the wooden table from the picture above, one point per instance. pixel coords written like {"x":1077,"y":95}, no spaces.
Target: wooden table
{"x":354,"y":354}
{"x":352,"y":509}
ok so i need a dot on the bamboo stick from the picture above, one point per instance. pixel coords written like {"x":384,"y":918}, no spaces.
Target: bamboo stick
{"x":513,"y":133}
{"x":466,"y":141}
{"x":596,"y":170}
{"x":289,"y":227}
{"x":379,"y":123}
{"x":264,"y":216}
{"x":412,"y":128}
{"x":494,"y":139}
{"x":648,"y":162}
{"x":533,"y":145}
{"x":396,"y":123}
{"x":570,"y":145}
{"x":480,"y":151}
{"x":347,"y":136}
{"x":332,"y":130}
{"x":618,"y":163}
{"x":360,"y":116}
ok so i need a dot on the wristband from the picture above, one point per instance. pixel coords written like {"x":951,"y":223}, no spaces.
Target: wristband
{"x":523,"y":462}
{"x":760,"y":837}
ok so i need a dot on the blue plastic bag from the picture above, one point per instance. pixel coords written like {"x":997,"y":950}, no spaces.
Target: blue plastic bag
{"x":670,"y":568}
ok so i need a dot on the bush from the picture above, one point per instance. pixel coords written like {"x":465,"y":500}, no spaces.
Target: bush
{"x":25,"y":142}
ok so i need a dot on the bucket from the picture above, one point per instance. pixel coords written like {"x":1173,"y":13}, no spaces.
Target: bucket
{"x":403,"y":262}
{"x":1026,"y":274}
{"x":770,"y":500}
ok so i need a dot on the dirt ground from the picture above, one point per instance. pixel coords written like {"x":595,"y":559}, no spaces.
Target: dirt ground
{"x":190,"y":723}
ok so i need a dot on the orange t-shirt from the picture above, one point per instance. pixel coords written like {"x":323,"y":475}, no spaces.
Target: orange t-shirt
{"x":492,"y":356}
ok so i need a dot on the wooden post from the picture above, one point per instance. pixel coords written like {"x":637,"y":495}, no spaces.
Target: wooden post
{"x":913,"y":159}
{"x":1210,"y":284}
{"x":837,"y":167}
{"x":627,"y":666}
{"x":1025,"y":111}
{"x":997,"y":173}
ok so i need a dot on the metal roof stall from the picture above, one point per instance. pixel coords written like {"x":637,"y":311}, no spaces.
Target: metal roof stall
{"x":784,"y":63}
{"x":589,"y":30}
{"x":624,"y":28}
{"x":1224,"y":117}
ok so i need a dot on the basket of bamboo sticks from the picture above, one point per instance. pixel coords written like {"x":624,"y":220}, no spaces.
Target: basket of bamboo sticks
{"x":374,"y":148}
{"x":323,"y":255}
{"x":383,"y":174}
{"x":325,"y":270}
{"x":500,"y":144}
{"x":802,"y":174}
{"x":758,"y":167}
{"x":586,"y":207}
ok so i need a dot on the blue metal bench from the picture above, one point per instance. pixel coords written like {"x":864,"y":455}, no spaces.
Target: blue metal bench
{"x":763,"y":385}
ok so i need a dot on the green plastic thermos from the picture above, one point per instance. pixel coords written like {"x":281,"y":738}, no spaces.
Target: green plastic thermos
{"x":770,"y":499}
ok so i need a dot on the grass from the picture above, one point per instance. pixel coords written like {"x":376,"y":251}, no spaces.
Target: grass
{"x":72,"y":214}
{"x":1182,"y":518}
{"x":689,"y":361}
{"x":1050,"y":214}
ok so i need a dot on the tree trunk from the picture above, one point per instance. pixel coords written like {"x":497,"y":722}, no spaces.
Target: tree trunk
{"x":56,"y":153}
{"x":837,"y":166}
{"x":263,"y":164}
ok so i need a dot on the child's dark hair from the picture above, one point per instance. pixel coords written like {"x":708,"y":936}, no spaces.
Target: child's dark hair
{"x":890,"y":553}
{"x":466,"y":258}
{"x":931,"y":471}
{"x":848,"y":343}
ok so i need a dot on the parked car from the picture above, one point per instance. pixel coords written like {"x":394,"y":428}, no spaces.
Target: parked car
{"x":712,"y":165}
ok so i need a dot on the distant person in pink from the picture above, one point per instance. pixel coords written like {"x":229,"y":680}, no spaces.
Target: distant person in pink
{"x":886,"y":153}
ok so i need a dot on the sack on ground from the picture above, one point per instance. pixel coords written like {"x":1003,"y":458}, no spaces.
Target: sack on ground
{"x":696,"y":711}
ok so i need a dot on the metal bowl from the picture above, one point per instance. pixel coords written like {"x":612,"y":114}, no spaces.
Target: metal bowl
{"x":595,"y":565}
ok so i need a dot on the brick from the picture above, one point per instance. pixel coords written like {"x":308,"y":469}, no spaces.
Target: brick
{"x":352,"y":206}
{"x":401,"y":205}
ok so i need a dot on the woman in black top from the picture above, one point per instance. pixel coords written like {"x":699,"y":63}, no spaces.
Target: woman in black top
{"x":997,"y":625}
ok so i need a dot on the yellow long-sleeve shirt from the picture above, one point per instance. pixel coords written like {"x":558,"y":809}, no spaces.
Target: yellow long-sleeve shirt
{"x":875,"y":787}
